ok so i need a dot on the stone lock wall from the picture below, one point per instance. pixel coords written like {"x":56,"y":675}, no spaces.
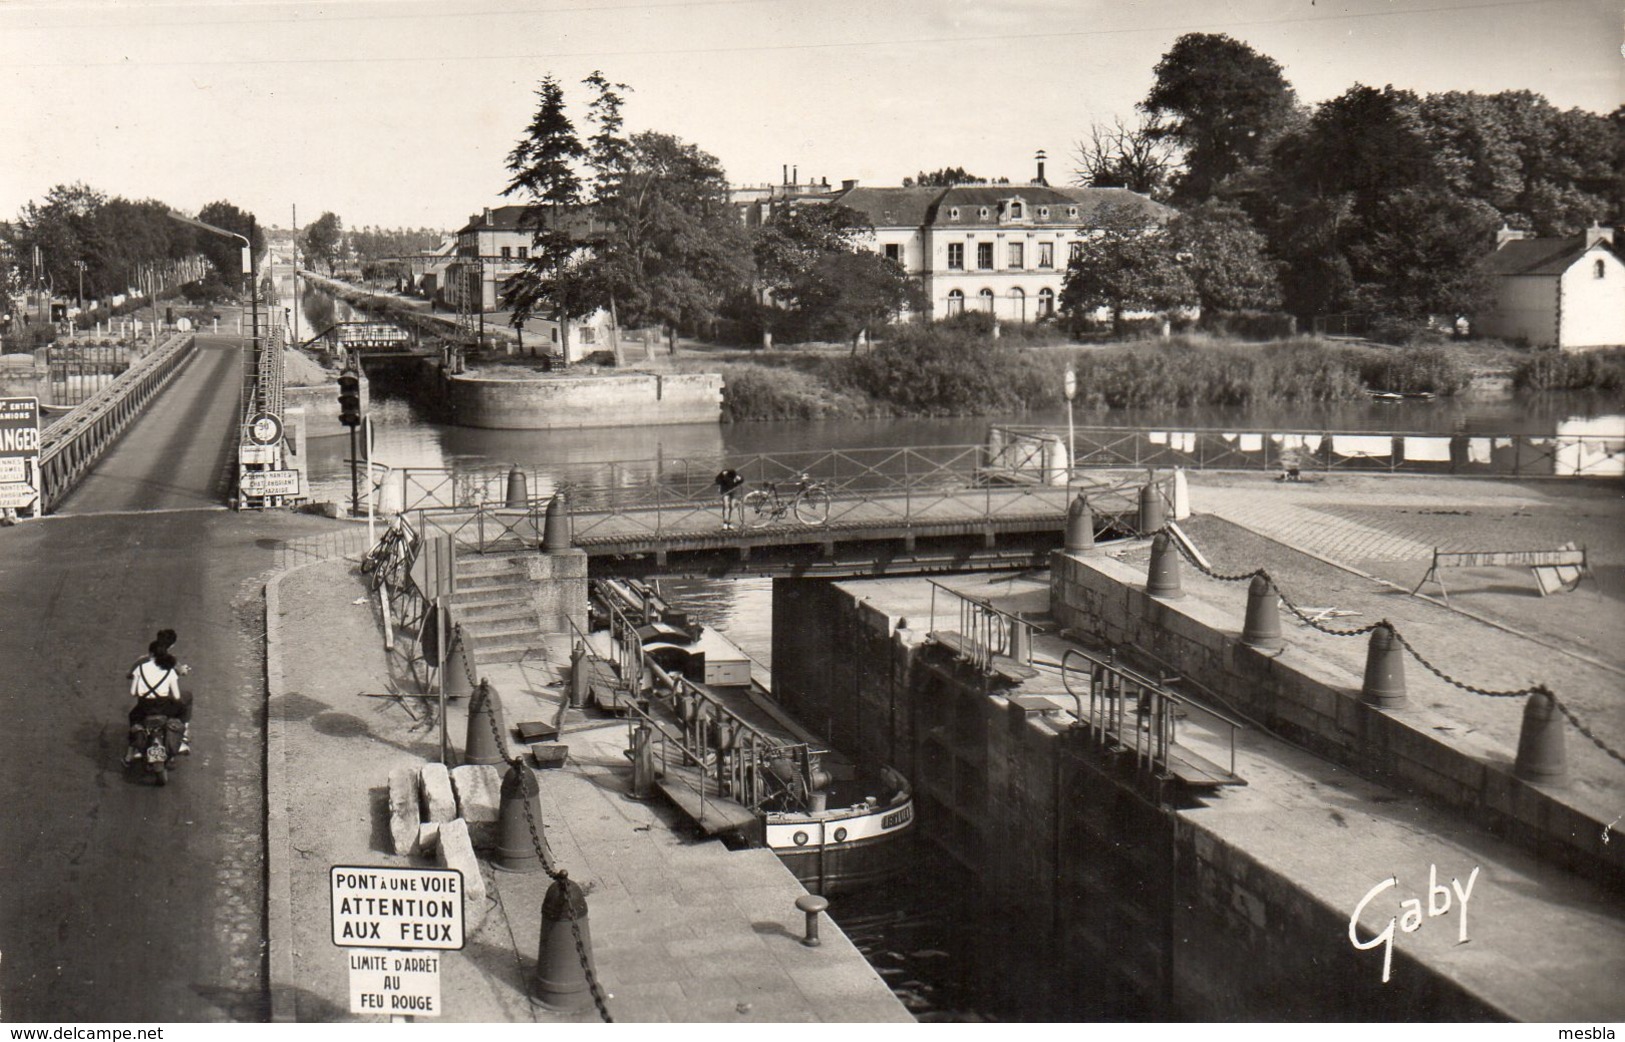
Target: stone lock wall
{"x":636,"y":399}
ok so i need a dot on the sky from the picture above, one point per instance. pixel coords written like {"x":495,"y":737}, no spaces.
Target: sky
{"x":401,"y":113}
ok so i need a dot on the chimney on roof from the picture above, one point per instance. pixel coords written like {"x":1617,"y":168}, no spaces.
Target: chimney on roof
{"x":1597,"y":233}
{"x":1506,"y":235}
{"x":826,"y":182}
{"x":1039,"y":180}
{"x":784,"y":178}
{"x":795,"y":175}
{"x":487,"y":215}
{"x":849,"y":184}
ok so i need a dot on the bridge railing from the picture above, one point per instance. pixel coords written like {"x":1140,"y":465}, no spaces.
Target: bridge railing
{"x":73,"y":444}
{"x":1330,"y":450}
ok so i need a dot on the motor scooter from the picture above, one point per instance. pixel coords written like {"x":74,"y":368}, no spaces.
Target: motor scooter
{"x":155,"y":745}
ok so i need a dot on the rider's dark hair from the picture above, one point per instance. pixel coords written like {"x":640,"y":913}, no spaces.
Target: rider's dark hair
{"x":155,"y":648}
{"x":163,"y":659}
{"x":166,"y":638}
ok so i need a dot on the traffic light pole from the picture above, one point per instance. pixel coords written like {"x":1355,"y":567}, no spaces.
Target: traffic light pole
{"x":355,"y":477}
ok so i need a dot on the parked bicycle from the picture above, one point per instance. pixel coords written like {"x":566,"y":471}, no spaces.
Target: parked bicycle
{"x":389,"y":558}
{"x":807,"y":499}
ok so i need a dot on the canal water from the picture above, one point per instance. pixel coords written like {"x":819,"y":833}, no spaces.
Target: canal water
{"x":913,"y":932}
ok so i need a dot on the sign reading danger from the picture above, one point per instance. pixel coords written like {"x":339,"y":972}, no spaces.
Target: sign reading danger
{"x":19,"y":453}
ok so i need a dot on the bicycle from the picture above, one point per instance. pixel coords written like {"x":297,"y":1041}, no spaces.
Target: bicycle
{"x":809,"y":502}
{"x":389,"y":558}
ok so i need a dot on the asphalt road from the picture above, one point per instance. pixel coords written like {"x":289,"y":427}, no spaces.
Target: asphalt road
{"x":121,"y":901}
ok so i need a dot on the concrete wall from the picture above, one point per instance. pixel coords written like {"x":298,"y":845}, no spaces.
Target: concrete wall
{"x":1093,"y":901}
{"x":1317,"y":705}
{"x":640,"y":399}
{"x":1525,"y":308}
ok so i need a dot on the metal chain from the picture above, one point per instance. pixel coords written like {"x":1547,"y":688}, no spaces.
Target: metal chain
{"x":1309,"y":620}
{"x":557,"y":874}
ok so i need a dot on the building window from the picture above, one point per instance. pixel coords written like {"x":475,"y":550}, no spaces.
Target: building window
{"x":589,"y":335}
{"x":984,"y":256}
{"x":1015,"y":211}
{"x":1598,"y":270}
{"x":524,"y":252}
{"x":1046,"y":255}
{"x":956,"y":256}
{"x":507,"y":253}
{"x":956,"y":302}
{"x":1077,"y":250}
{"x":1018,"y":303}
{"x":1046,"y":302}
{"x":894,"y":252}
{"x":1017,"y":256}
{"x":982,"y":213}
{"x":985,"y":297}
{"x":1072,"y":211}
{"x":953,"y":213}
{"x":1043,"y":212}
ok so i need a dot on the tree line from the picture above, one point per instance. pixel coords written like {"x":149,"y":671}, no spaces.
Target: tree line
{"x":378,"y":251}
{"x":1380,"y":200}
{"x":122,"y":244}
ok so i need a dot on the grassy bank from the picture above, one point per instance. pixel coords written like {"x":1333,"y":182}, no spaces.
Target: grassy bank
{"x":942,"y":371}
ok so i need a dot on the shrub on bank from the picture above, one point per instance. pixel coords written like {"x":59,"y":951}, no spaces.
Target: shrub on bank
{"x":751,"y":392}
{"x":1439,"y":370}
{"x":1602,"y":370}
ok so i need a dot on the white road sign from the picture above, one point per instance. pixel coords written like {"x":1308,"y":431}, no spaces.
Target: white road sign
{"x":13,"y":468}
{"x":18,"y":496}
{"x":397,"y":907}
{"x":395,"y":983}
{"x":269,"y":483}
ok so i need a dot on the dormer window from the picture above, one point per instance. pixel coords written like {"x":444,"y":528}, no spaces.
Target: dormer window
{"x":1043,"y":213}
{"x":953,"y":213}
{"x":982,"y":213}
{"x":1072,"y":211}
{"x":1015,"y":210}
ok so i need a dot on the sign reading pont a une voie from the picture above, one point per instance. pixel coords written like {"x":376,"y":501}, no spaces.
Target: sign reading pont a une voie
{"x":406,"y":908}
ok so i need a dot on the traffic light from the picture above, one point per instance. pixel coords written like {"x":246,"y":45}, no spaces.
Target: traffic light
{"x":350,"y":398}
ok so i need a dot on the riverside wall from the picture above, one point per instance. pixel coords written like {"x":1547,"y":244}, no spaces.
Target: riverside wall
{"x":1094,"y":901}
{"x":573,"y":401}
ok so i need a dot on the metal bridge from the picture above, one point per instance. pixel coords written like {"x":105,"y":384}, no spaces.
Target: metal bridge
{"x":891,"y":511}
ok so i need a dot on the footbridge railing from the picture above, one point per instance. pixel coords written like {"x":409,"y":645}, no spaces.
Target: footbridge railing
{"x":658,"y":498}
{"x":73,"y":444}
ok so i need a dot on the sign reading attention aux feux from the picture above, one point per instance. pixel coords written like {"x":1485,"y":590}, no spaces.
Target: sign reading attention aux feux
{"x":397,"y":907}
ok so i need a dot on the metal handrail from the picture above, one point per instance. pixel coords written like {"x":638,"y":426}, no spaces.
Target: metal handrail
{"x":989,"y":631}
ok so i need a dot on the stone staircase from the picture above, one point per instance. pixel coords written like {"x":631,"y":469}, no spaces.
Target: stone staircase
{"x":494,"y":607}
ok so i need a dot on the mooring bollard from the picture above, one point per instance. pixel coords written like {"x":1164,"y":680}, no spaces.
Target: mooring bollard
{"x":556,"y":528}
{"x":1542,"y":757}
{"x":1162,"y":579}
{"x":1080,"y":525}
{"x":517,"y":494}
{"x":519,"y":822}
{"x":1384,"y":685}
{"x":578,"y":675}
{"x":643,"y":763}
{"x":1152,"y":517}
{"x":458,"y":682}
{"x":484,"y":725}
{"x":812,"y":904}
{"x":1262,"y":630}
{"x":561,"y":967}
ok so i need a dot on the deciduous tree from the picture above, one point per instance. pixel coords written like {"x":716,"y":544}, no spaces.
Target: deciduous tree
{"x":1227,"y":258}
{"x":1130,"y":263}
{"x":324,"y":240}
{"x":1116,"y":155}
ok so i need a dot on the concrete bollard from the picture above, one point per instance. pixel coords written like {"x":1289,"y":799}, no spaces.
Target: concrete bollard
{"x":1152,"y":517}
{"x":519,"y":822}
{"x":1021,"y":641}
{"x":1080,"y":525}
{"x":812,"y":904}
{"x":1162,"y":579}
{"x":481,"y":745}
{"x":1262,"y":630}
{"x":459,"y":684}
{"x":1182,"y":495}
{"x":1384,"y":685}
{"x":643,"y":763}
{"x":1542,"y":757}
{"x":517,"y":495}
{"x":578,"y":675}
{"x":561,"y":969}
{"x":556,"y":529}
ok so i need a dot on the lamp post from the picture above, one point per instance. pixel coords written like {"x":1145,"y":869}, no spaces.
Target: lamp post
{"x":81,"y":266}
{"x":1071,"y":388}
{"x":250,"y":266}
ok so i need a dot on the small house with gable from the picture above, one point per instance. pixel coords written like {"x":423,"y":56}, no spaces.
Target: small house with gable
{"x":1566,"y":292}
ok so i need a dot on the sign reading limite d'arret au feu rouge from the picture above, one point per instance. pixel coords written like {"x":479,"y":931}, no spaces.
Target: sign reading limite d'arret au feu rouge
{"x":396,"y":913}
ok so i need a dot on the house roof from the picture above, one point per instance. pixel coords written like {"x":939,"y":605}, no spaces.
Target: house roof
{"x":915,"y":207}
{"x":1550,"y":256}
{"x":506,"y":219}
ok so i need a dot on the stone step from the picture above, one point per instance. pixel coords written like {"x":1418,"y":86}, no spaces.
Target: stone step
{"x":485,"y":594}
{"x":492,"y":611}
{"x":505,"y":651}
{"x":480,"y":564}
{"x":486,"y":580}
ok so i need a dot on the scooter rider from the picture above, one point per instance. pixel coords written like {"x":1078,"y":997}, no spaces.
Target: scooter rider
{"x":155,"y":685}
